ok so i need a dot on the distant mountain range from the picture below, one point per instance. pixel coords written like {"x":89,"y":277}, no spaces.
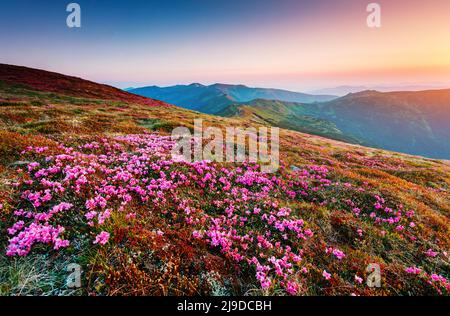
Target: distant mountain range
{"x":413,"y":122}
{"x":410,"y":122}
{"x":344,"y":90}
{"x":215,"y":98}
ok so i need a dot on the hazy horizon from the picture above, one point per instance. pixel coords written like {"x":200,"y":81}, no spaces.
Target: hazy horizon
{"x":411,"y":86}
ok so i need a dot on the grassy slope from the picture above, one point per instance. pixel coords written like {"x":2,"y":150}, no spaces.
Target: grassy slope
{"x":288,"y":115}
{"x":408,"y":122}
{"x":29,"y":117}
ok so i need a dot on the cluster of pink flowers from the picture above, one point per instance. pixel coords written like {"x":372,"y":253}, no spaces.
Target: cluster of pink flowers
{"x":395,"y":218}
{"x":102,"y":238}
{"x":34,"y":233}
{"x":336,"y":252}
{"x":374,"y":162}
{"x":398,"y":218}
{"x":431,"y":253}
{"x":78,"y":190}
{"x":358,"y":279}
{"x":434,"y":279}
{"x":326,"y":275}
{"x":413,"y":270}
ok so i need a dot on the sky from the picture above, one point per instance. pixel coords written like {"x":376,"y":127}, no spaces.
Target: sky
{"x":299,"y":45}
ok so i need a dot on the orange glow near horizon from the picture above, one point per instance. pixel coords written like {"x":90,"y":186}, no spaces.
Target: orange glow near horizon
{"x":298,"y":45}
{"x":413,"y":45}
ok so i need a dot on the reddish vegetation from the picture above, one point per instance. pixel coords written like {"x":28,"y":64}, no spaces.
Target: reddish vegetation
{"x":72,"y":86}
{"x":76,"y":187}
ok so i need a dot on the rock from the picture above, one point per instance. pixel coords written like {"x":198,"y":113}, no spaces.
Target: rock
{"x":18,"y":164}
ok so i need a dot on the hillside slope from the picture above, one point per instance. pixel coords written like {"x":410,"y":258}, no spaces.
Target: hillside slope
{"x":411,"y":122}
{"x":91,"y":182}
{"x":289,"y":115}
{"x":42,"y":80}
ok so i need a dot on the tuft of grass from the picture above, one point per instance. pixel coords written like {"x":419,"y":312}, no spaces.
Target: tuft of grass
{"x":37,"y":274}
{"x":154,"y":124}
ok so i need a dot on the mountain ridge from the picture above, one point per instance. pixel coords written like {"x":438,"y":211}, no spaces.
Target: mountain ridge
{"x":412,"y":122}
{"x":214,"y":98}
{"x":346,"y":89}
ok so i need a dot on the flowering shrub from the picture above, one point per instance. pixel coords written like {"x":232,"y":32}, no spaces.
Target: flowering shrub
{"x":74,"y":195}
{"x":440,"y":282}
{"x":102,"y":238}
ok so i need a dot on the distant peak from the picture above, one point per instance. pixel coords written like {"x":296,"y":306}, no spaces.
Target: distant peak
{"x":196,"y":84}
{"x":365,"y":92}
{"x":226,"y":85}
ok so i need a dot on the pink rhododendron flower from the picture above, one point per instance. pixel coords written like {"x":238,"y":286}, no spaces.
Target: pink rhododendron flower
{"x":431,"y":253}
{"x":438,"y":278}
{"x":102,"y":238}
{"x":292,"y":288}
{"x":338,"y":253}
{"x":130,"y":216}
{"x":413,"y":270}
{"x":34,"y":233}
{"x":90,"y":215}
{"x":59,"y":243}
{"x":326,"y":275}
